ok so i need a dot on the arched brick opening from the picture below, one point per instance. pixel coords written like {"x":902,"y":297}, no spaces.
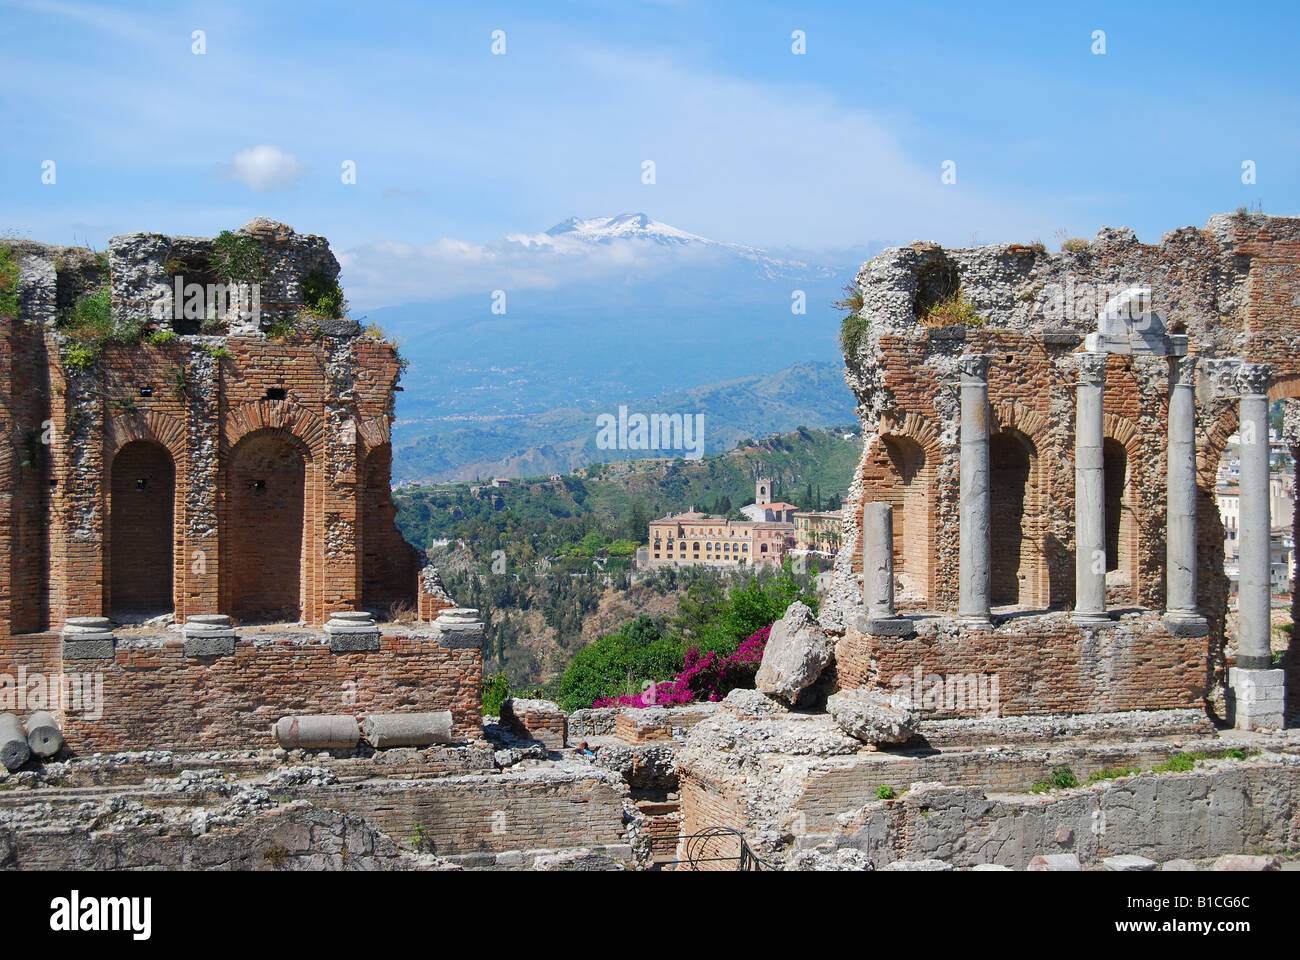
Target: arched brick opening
{"x":1018,"y":573}
{"x":1121,"y":523}
{"x":898,"y":472}
{"x":262,"y":563}
{"x":141,"y":529}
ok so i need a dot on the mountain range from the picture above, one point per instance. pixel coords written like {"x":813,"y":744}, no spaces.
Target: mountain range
{"x":514,"y":354}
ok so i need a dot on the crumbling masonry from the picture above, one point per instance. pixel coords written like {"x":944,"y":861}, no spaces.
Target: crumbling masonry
{"x":1051,"y":462}
{"x":225,"y":464}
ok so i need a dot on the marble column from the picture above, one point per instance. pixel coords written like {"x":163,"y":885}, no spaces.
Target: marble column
{"x":1257,"y":692}
{"x":1254,"y":596}
{"x":1089,"y":494}
{"x":878,"y":573}
{"x":974,"y":558}
{"x":1181,"y":615}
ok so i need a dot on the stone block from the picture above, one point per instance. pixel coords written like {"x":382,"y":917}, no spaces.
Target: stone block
{"x":1129,"y":863}
{"x":1055,"y":863}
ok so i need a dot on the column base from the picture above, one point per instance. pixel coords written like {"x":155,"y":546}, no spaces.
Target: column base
{"x":1181,"y":623}
{"x":1256,"y":699}
{"x":1093,"y":620}
{"x":886,"y":626}
{"x":975,"y":621}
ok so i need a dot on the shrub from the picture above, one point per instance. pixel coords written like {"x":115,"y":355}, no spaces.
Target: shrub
{"x":709,"y":677}
{"x":322,"y":296}
{"x":1063,"y":777}
{"x":495,"y":692}
{"x":885,"y":792}
{"x":237,"y":257}
{"x":8,"y":283}
{"x":853,"y":331}
{"x":78,"y":357}
{"x":161,"y":338}
{"x":618,"y":664}
{"x":1075,"y":245}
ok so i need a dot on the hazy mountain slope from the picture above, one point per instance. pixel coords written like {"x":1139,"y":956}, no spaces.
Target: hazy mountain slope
{"x":605,"y":311}
{"x":559,"y":441}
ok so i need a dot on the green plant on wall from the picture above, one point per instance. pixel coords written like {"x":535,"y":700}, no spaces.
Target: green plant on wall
{"x":8,"y":283}
{"x":322,"y":296}
{"x":237,"y":257}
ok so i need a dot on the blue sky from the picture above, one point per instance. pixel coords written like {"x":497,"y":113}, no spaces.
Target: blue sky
{"x":835,"y":148}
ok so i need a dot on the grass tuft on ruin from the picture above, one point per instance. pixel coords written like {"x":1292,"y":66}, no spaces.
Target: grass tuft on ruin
{"x":952,"y":311}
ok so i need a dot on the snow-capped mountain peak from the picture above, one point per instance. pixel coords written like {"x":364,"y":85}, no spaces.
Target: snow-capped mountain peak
{"x":625,"y":226}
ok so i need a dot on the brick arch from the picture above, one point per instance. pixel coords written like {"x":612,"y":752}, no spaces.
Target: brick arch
{"x":284,"y":416}
{"x":260,"y":520}
{"x":1010,"y":415}
{"x":159,"y":428}
{"x":899,"y":466}
{"x":375,"y":432}
{"x":168,"y":433}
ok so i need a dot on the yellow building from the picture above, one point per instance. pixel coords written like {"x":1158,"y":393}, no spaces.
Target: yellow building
{"x":821,"y":531}
{"x":693,"y":537}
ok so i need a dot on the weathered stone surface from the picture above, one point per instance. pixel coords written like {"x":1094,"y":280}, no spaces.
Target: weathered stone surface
{"x":1055,"y":863}
{"x":817,"y":860}
{"x":990,"y":868}
{"x":917,"y":866}
{"x":874,"y":716}
{"x":1244,"y":862}
{"x":43,"y":735}
{"x":797,"y":652}
{"x":14,"y":749}
{"x":1129,"y":863}
{"x":318,"y":732}
{"x":1178,"y":866}
{"x":407,"y":729}
{"x":203,"y":646}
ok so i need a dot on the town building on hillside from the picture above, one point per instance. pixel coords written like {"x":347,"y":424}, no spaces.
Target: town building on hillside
{"x":819,"y":531}
{"x":700,"y":538}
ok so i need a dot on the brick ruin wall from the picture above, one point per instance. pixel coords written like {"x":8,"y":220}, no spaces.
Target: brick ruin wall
{"x":242,"y":469}
{"x":1232,"y":287}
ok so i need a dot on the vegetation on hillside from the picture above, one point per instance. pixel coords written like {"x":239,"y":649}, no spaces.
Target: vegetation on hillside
{"x":601,"y":513}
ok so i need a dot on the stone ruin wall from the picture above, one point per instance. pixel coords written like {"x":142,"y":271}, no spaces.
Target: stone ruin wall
{"x":1232,"y":288}
{"x":244,"y":472}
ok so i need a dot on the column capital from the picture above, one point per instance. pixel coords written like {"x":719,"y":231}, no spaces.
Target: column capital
{"x":1090,"y":366}
{"x":1182,"y":371}
{"x":1254,"y":378}
{"x":974,"y":366}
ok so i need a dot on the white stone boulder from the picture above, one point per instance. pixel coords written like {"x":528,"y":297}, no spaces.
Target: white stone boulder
{"x":874,"y":716}
{"x":797,"y":652}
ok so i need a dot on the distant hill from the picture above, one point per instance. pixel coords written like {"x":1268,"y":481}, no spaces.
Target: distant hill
{"x":536,"y":517}
{"x":564,"y":440}
{"x":516,"y":349}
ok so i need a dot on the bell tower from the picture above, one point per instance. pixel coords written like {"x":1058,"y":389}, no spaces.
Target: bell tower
{"x":762,"y":491}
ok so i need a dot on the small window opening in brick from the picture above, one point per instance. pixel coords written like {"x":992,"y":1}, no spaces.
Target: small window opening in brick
{"x":1008,"y":359}
{"x":146,"y":391}
{"x":141,"y":483}
{"x":258,"y":487}
{"x":275,"y":393}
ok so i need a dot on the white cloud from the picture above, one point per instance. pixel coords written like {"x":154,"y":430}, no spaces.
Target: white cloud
{"x":387,"y":272}
{"x":264,"y":168}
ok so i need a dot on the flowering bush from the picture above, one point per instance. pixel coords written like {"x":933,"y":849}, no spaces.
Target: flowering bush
{"x":708,"y":677}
